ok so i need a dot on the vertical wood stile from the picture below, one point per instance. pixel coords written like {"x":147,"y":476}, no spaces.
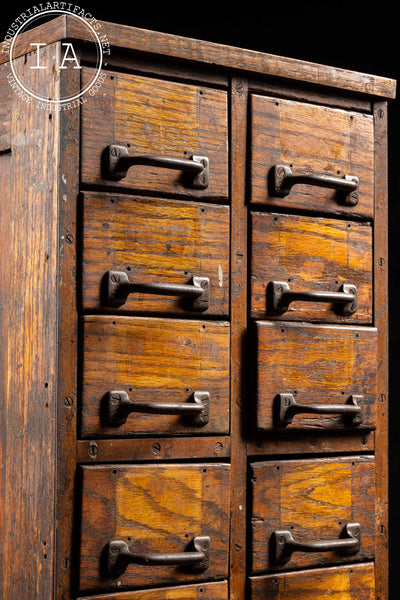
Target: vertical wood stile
{"x":381,"y":320}
{"x":68,"y":177}
{"x":238,"y":333}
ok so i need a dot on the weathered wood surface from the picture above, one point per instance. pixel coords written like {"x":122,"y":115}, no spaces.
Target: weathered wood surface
{"x":28,"y":349}
{"x":153,"y":508}
{"x":162,"y":118}
{"x":311,"y":255}
{"x":216,"y":590}
{"x":313,"y":499}
{"x":154,"y":360}
{"x":210,"y":54}
{"x":315,"y":140}
{"x":316,"y":364}
{"x":125,"y":449}
{"x":335,"y":583}
{"x":263,"y":446}
{"x":155,"y":241}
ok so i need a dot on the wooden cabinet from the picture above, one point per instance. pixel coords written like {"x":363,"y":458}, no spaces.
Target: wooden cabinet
{"x":194,"y":312}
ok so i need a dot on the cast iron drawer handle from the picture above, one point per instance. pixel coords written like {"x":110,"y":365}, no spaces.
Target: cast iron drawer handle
{"x":117,"y":288}
{"x":116,"y":161}
{"x":117,"y":406}
{"x":117,"y":557}
{"x":283,"y":544}
{"x":282,"y":180}
{"x":286,"y":407}
{"x":279,"y":296}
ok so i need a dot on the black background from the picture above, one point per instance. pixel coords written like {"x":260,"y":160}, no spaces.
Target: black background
{"x":361,"y":36}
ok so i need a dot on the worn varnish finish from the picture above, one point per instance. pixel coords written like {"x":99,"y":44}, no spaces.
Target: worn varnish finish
{"x":155,"y":360}
{"x":316,"y":364}
{"x":28,"y":267}
{"x":311,"y":139}
{"x":155,"y":241}
{"x":153,"y":508}
{"x":152,"y":116}
{"x":311,"y":255}
{"x":313,"y":499}
{"x":246,"y":111}
{"x":217,"y":590}
{"x":335,"y":583}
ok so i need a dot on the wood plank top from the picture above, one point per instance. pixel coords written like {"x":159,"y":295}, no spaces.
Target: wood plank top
{"x":208,"y":53}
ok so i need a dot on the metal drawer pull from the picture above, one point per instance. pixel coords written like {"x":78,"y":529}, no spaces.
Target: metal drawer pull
{"x":117,"y":406}
{"x":279,"y":296}
{"x":282,"y":180}
{"x":117,"y":557}
{"x":283,"y":544}
{"x":116,"y":161}
{"x":286,"y":407}
{"x":117,"y":288}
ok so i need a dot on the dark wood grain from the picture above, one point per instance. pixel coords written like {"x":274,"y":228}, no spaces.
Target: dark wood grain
{"x":217,"y":590}
{"x":153,"y":508}
{"x":314,"y":499}
{"x":155,"y":360}
{"x":311,"y":255}
{"x":156,"y":117}
{"x":311,"y":139}
{"x":381,"y":264}
{"x":336,"y":583}
{"x":155,"y":241}
{"x":28,"y":353}
{"x":316,"y":365}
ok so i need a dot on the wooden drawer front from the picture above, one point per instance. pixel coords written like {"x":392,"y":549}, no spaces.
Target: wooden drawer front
{"x":302,"y":254}
{"x":154,"y":362}
{"x":154,"y":117}
{"x":153,"y":509}
{"x":312,"y":501}
{"x":335,"y":583}
{"x":149,"y":241}
{"x":303,"y":367}
{"x":311,"y":139}
{"x":217,"y":590}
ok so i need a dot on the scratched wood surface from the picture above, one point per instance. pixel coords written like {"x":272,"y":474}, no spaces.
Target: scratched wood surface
{"x":311,"y":255}
{"x":316,"y":364}
{"x":216,"y":590}
{"x":334,"y":583}
{"x":313,"y":499}
{"x":154,"y":360}
{"x":154,"y":509}
{"x":311,"y":139}
{"x":159,"y":117}
{"x":28,"y":349}
{"x":155,"y":241}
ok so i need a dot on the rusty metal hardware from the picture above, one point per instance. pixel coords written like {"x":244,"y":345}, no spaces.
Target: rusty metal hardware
{"x":117,"y":556}
{"x":282,"y":180}
{"x":116,"y":161}
{"x":117,"y":287}
{"x":279,"y":296}
{"x":283,"y":544}
{"x":117,"y":406}
{"x":286,"y":407}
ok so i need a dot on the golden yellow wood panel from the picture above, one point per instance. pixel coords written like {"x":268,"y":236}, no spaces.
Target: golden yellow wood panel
{"x":152,"y":510}
{"x":154,"y":360}
{"x":306,"y":254}
{"x":155,"y":241}
{"x":316,"y":140}
{"x":311,"y":501}
{"x":321,"y":366}
{"x":162,"y":118}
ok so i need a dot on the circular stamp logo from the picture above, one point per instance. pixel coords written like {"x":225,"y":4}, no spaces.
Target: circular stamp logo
{"x":35,"y":68}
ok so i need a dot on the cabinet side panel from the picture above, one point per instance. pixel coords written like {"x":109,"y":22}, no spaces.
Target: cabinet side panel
{"x":28,"y":270}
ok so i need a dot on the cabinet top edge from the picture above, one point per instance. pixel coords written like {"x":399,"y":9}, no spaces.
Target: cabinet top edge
{"x":238,"y":60}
